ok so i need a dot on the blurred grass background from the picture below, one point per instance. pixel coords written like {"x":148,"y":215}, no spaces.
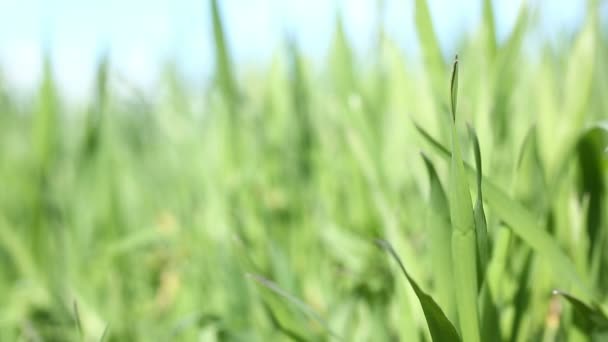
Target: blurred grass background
{"x":138,"y":218}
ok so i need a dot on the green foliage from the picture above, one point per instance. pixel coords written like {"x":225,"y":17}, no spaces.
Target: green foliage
{"x":138,"y":217}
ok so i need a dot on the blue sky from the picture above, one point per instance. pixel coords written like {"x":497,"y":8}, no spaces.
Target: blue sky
{"x":140,"y":34}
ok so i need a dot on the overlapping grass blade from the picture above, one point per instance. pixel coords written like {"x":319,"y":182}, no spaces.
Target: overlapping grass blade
{"x":342,"y":62}
{"x":438,"y":221}
{"x":464,"y":241}
{"x":524,"y":225}
{"x":303,"y":307}
{"x":454,"y":89}
{"x":440,"y":327}
{"x":489,"y":317}
{"x":226,"y":82}
{"x":521,"y":300}
{"x":46,"y":131}
{"x":489,"y":314}
{"x":279,"y":326}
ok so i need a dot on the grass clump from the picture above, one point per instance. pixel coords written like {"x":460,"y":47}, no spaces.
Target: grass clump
{"x":149,"y":210}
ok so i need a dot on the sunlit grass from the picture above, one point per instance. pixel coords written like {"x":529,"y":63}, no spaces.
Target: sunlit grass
{"x":248,"y":210}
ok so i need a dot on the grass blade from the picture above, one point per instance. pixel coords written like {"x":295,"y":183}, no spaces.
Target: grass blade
{"x":591,"y":314}
{"x":342,"y":61}
{"x":464,"y":241}
{"x":277,"y":325}
{"x":523,"y":224}
{"x":454,"y":88}
{"x":440,"y":327}
{"x":530,"y":184}
{"x":438,"y":221}
{"x":522,"y":296}
{"x":489,"y":315}
{"x":490,"y":28}
{"x":590,"y":155}
{"x":428,"y":40}
{"x":490,"y":329}
{"x":481,"y":226}
{"x":578,"y":80}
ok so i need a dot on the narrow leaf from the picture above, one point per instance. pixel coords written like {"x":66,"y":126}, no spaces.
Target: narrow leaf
{"x":277,"y":324}
{"x":592,"y":183}
{"x":490,"y":28}
{"x":438,"y":221}
{"x":591,"y":314}
{"x":427,"y":37}
{"x":464,"y":241}
{"x":440,"y":327}
{"x":490,"y":327}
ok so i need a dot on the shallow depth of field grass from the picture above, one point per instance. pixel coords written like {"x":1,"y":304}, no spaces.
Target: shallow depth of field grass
{"x":287,"y":203}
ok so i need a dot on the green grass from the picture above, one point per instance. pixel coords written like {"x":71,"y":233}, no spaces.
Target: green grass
{"x":248,"y":210}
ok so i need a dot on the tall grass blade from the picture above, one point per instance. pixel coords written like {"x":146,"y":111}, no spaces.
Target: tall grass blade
{"x":521,"y":300}
{"x":489,"y":316}
{"x":464,"y":241}
{"x":592,"y":183}
{"x":481,"y":226}
{"x":438,"y":221}
{"x":506,"y":76}
{"x":224,"y":76}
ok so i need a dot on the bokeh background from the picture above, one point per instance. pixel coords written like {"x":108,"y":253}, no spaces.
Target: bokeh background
{"x":218,"y":170}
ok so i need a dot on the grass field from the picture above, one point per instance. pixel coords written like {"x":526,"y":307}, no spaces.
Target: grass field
{"x":272,"y":204}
